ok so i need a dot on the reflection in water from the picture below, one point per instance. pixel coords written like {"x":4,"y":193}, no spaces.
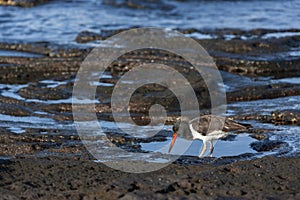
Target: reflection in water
{"x":222,"y":148}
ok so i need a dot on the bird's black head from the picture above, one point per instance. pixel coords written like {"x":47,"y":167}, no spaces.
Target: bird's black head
{"x":176,"y":126}
{"x":181,"y":128}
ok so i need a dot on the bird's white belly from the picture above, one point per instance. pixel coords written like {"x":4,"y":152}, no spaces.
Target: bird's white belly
{"x":211,"y":136}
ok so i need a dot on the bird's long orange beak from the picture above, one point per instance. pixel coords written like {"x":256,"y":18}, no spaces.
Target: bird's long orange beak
{"x":173,"y":142}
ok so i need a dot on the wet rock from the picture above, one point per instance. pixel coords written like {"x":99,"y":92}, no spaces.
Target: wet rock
{"x":135,"y":4}
{"x":11,"y":106}
{"x":46,"y":49}
{"x":254,"y":68}
{"x":22,"y":3}
{"x":267,"y":145}
{"x":284,"y":118}
{"x":78,"y":54}
{"x":20,"y":70}
{"x":254,"y":56}
{"x":41,"y":48}
{"x":132,"y":144}
{"x":264,"y":92}
{"x":229,"y":138}
{"x":86,"y":36}
{"x":154,"y":91}
{"x":259,"y":136}
{"x":43,"y":92}
{"x":16,"y":110}
{"x":24,"y":144}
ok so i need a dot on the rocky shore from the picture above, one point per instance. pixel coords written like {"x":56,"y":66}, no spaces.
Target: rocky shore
{"x":48,"y":160}
{"x":74,"y":178}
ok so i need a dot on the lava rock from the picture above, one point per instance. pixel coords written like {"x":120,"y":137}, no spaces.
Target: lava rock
{"x":266,"y":145}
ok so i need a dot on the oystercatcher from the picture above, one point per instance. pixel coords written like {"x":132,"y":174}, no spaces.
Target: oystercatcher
{"x":201,"y":128}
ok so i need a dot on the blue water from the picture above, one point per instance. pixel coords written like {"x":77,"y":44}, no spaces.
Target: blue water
{"x":60,"y":21}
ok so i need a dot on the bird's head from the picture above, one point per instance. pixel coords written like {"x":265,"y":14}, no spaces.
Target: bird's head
{"x":181,"y":128}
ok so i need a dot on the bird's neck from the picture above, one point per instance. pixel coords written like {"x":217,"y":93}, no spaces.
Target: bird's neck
{"x":192,"y":131}
{"x":187,"y":132}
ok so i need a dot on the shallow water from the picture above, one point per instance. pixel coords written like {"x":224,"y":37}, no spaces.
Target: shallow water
{"x":18,"y":124}
{"x":18,"y":54}
{"x":158,"y":149}
{"x":240,"y":145}
{"x":265,"y":106}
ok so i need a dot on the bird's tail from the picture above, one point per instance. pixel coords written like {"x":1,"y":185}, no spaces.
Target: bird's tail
{"x":233,"y":126}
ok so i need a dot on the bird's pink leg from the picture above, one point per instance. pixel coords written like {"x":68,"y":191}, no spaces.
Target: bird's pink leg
{"x":211,"y":148}
{"x":203,"y":149}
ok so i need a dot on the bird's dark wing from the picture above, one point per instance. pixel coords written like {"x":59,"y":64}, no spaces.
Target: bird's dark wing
{"x":201,"y":124}
{"x":204,"y":126}
{"x":233,"y":126}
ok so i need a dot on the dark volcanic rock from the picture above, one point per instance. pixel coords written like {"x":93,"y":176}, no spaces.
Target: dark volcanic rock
{"x":24,"y":70}
{"x":267,"y":145}
{"x":65,"y":178}
{"x":42,"y":92}
{"x":45,"y":49}
{"x":135,"y":4}
{"x":269,"y":91}
{"x":22,"y":3}
{"x":283,"y":117}
{"x":86,"y":36}
{"x":278,"y":68}
{"x":255,"y":56}
{"x":10,"y":106}
{"x":33,"y":144}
